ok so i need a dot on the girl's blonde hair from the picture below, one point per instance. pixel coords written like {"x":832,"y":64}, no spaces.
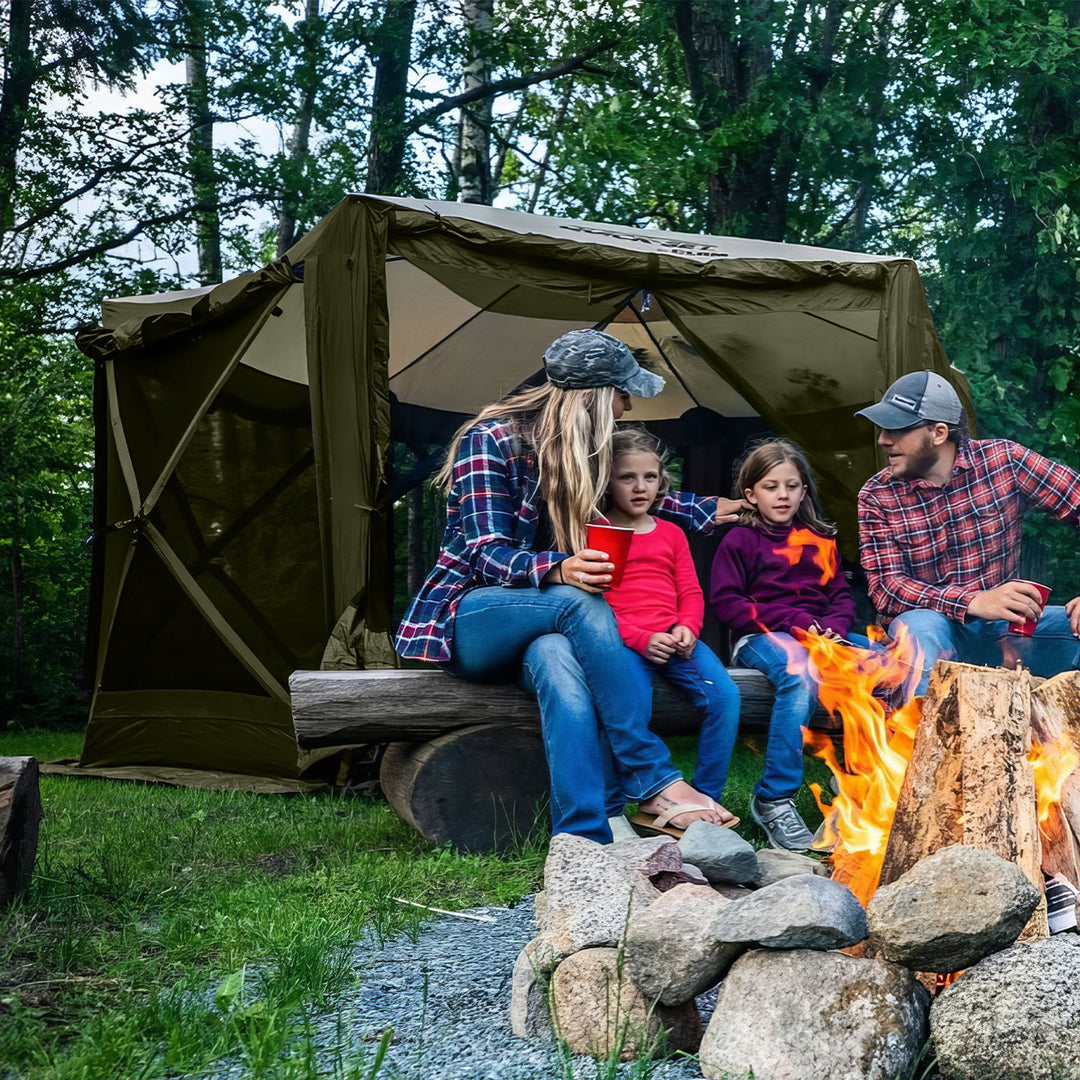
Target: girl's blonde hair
{"x":570,"y":432}
{"x":636,"y":440}
{"x":758,"y":462}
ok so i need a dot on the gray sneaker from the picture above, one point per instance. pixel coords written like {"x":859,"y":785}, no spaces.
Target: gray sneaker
{"x":782,"y":823}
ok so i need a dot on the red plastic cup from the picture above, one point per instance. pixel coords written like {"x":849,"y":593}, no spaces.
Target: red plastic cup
{"x":1027,"y":627}
{"x":615,"y":541}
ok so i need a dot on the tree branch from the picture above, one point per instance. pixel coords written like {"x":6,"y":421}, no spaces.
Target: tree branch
{"x":507,"y":86}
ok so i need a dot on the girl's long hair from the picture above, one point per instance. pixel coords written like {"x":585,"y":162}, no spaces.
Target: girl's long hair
{"x":759,"y":461}
{"x":570,"y":432}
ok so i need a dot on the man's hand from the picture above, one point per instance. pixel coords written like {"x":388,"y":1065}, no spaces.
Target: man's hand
{"x":685,"y":639}
{"x":1015,"y":601}
{"x":1072,"y":609}
{"x":660,"y":648}
{"x":727,"y":510}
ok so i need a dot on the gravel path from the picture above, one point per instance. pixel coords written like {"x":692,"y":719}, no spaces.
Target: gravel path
{"x":446,"y":996}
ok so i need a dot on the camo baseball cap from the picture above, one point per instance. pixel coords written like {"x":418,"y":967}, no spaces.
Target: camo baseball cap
{"x":587,"y":358}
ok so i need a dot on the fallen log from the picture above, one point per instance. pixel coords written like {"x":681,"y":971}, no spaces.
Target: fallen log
{"x":20,"y":815}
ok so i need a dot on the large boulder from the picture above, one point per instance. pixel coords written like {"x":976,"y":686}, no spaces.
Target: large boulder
{"x":671,"y":951}
{"x":591,"y":889}
{"x":803,"y":912}
{"x":1013,"y":1016}
{"x":798,"y":1014}
{"x":950,"y":910}
{"x":600,"y":1012}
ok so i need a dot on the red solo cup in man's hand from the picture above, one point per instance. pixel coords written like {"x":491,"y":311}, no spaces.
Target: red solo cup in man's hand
{"x":1027,"y":627}
{"x":615,"y":541}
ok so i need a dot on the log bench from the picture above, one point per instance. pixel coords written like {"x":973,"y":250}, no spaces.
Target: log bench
{"x":465,"y":762}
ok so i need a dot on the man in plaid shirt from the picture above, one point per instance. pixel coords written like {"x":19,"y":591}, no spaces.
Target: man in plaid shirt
{"x":939,"y":534}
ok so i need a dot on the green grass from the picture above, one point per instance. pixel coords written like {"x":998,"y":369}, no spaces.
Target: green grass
{"x":166,"y":929}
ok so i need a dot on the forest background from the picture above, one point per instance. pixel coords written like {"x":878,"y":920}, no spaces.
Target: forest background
{"x":942,"y":130}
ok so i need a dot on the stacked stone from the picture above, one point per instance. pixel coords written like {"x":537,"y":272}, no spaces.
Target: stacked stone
{"x":631,"y":933}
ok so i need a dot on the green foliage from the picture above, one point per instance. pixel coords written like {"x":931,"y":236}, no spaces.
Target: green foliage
{"x":46,"y":491}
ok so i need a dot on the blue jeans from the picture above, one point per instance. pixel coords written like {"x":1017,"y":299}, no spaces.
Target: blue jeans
{"x":793,"y":705}
{"x":711,"y":689}
{"x":564,"y":646}
{"x":1050,"y":650}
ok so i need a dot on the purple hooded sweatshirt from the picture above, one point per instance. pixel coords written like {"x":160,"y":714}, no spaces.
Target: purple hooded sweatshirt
{"x":772,"y":579}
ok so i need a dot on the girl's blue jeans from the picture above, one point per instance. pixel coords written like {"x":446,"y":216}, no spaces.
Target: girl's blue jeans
{"x":711,"y":689}
{"x":565,"y":648}
{"x":786,"y":665}
{"x":1053,"y":647}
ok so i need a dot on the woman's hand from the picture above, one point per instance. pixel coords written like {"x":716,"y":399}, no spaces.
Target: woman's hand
{"x":727,"y":510}
{"x":588,"y":570}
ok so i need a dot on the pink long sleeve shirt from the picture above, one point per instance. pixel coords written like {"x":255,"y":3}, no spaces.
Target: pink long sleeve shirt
{"x":659,"y":588}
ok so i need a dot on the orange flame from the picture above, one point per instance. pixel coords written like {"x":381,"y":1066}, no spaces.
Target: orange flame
{"x":877,"y":747}
{"x":826,"y":557}
{"x":1053,"y":764}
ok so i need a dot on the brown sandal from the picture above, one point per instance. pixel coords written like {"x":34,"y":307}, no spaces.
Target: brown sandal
{"x":659,"y":824}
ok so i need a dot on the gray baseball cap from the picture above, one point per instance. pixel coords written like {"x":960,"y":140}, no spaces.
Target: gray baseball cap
{"x":587,"y":358}
{"x":922,"y":395}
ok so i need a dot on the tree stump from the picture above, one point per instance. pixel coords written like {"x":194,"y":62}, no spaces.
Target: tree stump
{"x":20,"y":815}
{"x":479,"y":789}
{"x":969,"y":781}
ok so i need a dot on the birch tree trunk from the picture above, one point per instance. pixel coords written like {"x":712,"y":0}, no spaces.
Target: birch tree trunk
{"x":298,"y":145}
{"x":476,"y":181}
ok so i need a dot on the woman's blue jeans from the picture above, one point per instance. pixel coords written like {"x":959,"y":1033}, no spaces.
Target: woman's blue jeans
{"x":564,"y":646}
{"x":712,"y":690}
{"x":1053,"y":647}
{"x":793,"y":705}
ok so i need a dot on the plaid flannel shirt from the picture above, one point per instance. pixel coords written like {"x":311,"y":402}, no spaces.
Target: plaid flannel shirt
{"x":491,"y":518}
{"x":932,"y":547}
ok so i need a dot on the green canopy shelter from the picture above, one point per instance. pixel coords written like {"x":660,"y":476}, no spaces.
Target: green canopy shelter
{"x":242,"y":500}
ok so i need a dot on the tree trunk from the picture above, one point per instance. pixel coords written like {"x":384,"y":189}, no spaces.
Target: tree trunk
{"x":20,"y":70}
{"x":16,"y":595}
{"x":386,"y":143}
{"x":475,"y":183}
{"x":416,"y":565}
{"x":299,"y":142}
{"x":201,"y":146}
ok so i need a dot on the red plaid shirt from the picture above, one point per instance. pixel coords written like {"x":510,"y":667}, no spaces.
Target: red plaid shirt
{"x":932,"y":547}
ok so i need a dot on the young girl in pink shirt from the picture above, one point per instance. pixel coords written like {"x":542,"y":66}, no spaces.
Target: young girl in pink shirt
{"x":659,"y":607}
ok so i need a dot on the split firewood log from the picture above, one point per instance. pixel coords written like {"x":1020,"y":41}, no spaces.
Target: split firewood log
{"x":969,"y":781}
{"x":20,"y":814}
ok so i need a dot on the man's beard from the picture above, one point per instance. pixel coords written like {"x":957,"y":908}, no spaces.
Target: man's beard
{"x":921,"y":462}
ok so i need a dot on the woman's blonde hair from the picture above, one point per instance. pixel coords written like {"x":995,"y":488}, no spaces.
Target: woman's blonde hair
{"x":758,"y":462}
{"x":570,"y":432}
{"x":636,"y":440}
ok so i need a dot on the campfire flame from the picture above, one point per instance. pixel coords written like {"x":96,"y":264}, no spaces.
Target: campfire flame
{"x":1053,"y":764}
{"x":853,"y":684}
{"x":825,"y":556}
{"x":877,"y":747}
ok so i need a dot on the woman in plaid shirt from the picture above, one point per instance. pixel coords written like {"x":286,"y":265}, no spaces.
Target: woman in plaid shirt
{"x":505,"y":600}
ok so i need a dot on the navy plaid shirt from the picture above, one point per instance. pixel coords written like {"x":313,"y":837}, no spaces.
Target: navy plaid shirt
{"x":932,"y":547}
{"x":491,"y":526}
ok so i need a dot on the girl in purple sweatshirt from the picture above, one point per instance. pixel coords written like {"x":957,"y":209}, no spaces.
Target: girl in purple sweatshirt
{"x":776,"y":575}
